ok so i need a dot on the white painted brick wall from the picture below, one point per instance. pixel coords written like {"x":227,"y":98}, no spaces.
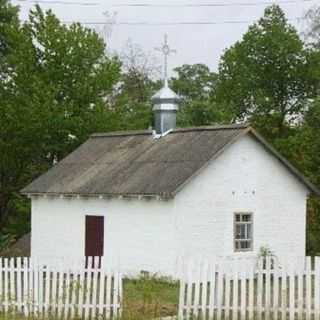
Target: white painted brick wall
{"x":138,"y":234}
{"x":244,"y":178}
{"x":150,"y":235}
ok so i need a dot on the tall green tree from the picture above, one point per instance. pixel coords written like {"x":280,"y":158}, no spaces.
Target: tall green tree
{"x":8,"y":24}
{"x":133,"y":107}
{"x":76,"y":78}
{"x":309,"y":149}
{"x":10,"y":38}
{"x":54,"y":94}
{"x":303,"y":148}
{"x":195,"y":84}
{"x":264,"y":77}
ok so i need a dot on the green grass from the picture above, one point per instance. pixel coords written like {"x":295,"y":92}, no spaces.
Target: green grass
{"x":150,"y":297}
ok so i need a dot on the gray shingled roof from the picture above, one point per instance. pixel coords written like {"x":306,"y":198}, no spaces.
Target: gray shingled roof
{"x":134,"y":163}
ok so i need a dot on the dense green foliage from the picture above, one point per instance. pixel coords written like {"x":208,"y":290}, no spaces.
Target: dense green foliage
{"x":54,"y":81}
{"x":133,"y":101}
{"x":264,"y":77}
{"x":58,"y":84}
{"x":195,"y":84}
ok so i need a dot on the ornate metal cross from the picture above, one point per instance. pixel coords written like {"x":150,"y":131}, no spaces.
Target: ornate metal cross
{"x":166,"y":50}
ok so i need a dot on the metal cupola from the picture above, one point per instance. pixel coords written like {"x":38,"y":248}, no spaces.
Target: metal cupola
{"x":165,"y":101}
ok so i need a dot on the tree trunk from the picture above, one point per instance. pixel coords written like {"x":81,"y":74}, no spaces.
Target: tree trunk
{"x":4,"y":209}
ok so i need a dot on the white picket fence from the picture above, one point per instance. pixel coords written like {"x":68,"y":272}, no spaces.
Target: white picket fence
{"x":29,"y":288}
{"x":239,"y":289}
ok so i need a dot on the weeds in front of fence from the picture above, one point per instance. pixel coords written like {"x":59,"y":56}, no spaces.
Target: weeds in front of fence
{"x":150,"y":297}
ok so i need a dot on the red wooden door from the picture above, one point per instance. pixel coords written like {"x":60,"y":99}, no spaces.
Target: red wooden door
{"x":94,"y":236}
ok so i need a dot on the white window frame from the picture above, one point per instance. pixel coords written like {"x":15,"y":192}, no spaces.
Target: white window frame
{"x":235,"y":224}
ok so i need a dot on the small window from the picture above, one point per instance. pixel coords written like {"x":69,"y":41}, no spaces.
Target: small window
{"x":243,"y":240}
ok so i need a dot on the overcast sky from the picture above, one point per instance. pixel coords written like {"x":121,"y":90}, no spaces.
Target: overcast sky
{"x":194,"y":43}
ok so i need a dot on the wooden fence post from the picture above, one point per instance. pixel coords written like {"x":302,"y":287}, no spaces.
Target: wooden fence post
{"x":267,"y":287}
{"x":204,"y":292}
{"x":219,"y":289}
{"x":227,"y":292}
{"x":308,"y":288}
{"x":182,"y":293}
{"x":13,"y":296}
{"x":212,"y":290}
{"x":260,"y":288}
{"x":243,"y":288}
{"x":251,"y":291}
{"x":316,"y":288}
{"x":235,"y":292}
{"x":276,"y":274}
{"x":284,"y":293}
{"x":18,"y":285}
{"x":292,"y":291}
{"x":196,"y":301}
{"x":108,"y":293}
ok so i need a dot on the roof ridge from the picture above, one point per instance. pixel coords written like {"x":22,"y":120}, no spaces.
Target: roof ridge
{"x":213,"y":127}
{"x":121,"y":133}
{"x":177,"y":130}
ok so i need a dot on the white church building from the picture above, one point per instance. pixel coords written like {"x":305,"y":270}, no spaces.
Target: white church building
{"x":141,"y":200}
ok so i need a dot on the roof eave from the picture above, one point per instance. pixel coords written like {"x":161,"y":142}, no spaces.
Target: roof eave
{"x":162,"y":196}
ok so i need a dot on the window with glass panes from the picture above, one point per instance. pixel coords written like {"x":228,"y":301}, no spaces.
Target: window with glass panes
{"x":243,"y":231}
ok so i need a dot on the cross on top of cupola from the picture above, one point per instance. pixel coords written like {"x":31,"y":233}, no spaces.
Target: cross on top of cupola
{"x":166,"y":50}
